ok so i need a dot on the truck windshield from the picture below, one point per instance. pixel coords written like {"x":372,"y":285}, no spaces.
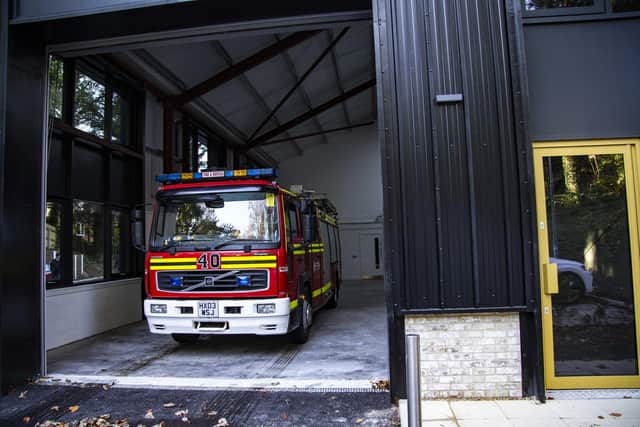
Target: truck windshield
{"x":209,"y":221}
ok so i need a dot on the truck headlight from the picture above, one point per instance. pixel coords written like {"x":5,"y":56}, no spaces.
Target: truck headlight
{"x":265,"y":308}
{"x":159,"y":308}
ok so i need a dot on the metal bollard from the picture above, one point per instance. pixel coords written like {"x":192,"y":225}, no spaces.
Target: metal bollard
{"x":414,"y":410}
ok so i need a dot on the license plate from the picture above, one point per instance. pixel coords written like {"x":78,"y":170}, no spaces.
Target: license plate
{"x":208,"y":309}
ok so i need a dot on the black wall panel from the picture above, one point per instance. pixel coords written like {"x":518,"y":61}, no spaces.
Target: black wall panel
{"x":20,"y":251}
{"x":459,"y":166}
{"x":56,"y":173}
{"x":583,"y":79}
{"x":87,"y":171}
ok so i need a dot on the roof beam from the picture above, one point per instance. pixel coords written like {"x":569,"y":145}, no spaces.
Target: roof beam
{"x":299,"y":82}
{"x":241,"y":67}
{"x":231,"y":134}
{"x":322,"y":132}
{"x":336,"y":71}
{"x":313,"y":112}
{"x":244,"y":80}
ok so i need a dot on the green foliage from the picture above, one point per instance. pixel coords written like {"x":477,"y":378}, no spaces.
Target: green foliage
{"x":56,"y":75}
{"x":194,"y":219}
{"x":89,"y":105}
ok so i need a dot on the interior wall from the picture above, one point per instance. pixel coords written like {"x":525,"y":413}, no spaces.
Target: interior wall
{"x":78,"y":312}
{"x":348,"y":170}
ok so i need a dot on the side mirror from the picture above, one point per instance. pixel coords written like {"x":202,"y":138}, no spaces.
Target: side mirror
{"x":137,"y":228}
{"x":308,"y":227}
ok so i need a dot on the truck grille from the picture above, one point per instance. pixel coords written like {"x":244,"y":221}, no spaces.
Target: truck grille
{"x":212,"y":281}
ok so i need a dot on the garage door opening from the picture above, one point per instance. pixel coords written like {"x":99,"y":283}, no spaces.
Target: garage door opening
{"x":300,"y":100}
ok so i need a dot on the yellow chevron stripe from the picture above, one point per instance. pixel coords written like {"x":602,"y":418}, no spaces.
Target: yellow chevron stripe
{"x":173,"y":267}
{"x":249,"y":258}
{"x":316,"y":293}
{"x":244,"y":266}
{"x":171,"y":260}
{"x":326,"y":287}
{"x":293,"y":304}
{"x":297,"y":245}
{"x":315,"y":251}
{"x":298,"y":252}
{"x":317,"y":245}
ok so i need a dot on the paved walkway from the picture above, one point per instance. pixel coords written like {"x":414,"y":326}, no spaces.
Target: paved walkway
{"x":529,"y":413}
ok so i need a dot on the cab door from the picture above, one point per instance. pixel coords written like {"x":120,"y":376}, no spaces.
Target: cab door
{"x":586,"y":204}
{"x":295,"y":249}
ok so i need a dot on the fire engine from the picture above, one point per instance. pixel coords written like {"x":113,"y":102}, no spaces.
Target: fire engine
{"x":233,"y":252}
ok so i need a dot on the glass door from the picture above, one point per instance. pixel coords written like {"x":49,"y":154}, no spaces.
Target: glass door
{"x":589,"y":263}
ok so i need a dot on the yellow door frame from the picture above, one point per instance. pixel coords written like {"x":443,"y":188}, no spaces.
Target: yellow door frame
{"x":548,"y":274}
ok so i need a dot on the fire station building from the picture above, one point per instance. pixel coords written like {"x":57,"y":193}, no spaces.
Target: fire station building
{"x":483,"y":157}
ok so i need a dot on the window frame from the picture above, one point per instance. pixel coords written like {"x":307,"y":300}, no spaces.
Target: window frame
{"x":574,"y":14}
{"x":73,"y":139}
{"x":597,"y":7}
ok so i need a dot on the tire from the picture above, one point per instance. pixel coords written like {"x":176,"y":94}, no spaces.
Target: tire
{"x":305,"y":319}
{"x":185,"y":338}
{"x":333,"y":302}
{"x":571,"y":288}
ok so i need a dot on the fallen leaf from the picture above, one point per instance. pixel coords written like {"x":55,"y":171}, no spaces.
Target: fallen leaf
{"x":149,"y":415}
{"x":285,"y":416}
{"x":615,"y":414}
{"x":380,"y":384}
{"x":181,"y":412}
{"x":55,"y":408}
{"x":212,"y":413}
{"x":74,"y":408}
{"x":222,"y":422}
{"x":26,"y":420}
{"x":169,"y":405}
{"x":23,"y":395}
{"x":359,"y":420}
{"x":600,"y":417}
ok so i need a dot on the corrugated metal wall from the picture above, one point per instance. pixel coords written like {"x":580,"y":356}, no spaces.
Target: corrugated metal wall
{"x":453,"y":171}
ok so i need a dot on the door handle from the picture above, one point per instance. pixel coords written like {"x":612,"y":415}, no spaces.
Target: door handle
{"x":550,"y":277}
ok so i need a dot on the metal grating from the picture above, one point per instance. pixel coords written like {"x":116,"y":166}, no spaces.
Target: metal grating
{"x":593,"y":394}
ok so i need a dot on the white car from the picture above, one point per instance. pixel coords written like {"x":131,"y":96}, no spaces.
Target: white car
{"x":574,"y":281}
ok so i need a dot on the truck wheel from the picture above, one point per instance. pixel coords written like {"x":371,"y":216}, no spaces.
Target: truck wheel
{"x":185,"y":338}
{"x":305,"y":318}
{"x":333,"y":302}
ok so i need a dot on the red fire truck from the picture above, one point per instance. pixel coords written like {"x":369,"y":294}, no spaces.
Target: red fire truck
{"x":232,"y":252}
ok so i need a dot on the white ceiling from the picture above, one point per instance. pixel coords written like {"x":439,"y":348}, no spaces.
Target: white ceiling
{"x":239,"y":106}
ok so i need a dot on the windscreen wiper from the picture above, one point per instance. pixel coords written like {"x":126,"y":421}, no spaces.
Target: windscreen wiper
{"x":239,"y":242}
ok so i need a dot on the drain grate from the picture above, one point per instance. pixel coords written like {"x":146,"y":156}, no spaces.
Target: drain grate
{"x":593,"y":394}
{"x":280,"y":363}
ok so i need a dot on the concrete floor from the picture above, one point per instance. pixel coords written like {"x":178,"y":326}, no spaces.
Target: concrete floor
{"x":347,"y":349}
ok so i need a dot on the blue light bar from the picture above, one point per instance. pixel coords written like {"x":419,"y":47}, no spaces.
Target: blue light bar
{"x":217,"y":174}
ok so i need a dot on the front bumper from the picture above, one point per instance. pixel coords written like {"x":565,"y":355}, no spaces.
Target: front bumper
{"x":235,"y":316}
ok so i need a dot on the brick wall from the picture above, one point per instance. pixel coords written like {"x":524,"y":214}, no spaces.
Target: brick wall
{"x":468,"y":355}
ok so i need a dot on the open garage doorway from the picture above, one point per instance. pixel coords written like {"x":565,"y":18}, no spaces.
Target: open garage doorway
{"x":299,"y":97}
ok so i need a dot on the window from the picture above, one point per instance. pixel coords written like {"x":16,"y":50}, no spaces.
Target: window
{"x":211,"y":220}
{"x":292,"y":223}
{"x":53,"y":242}
{"x":595,"y":9}
{"x":56,"y":78}
{"x":92,"y":181}
{"x":88,"y":115}
{"x":120,"y":119}
{"x":618,"y":6}
{"x":88,"y":243}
